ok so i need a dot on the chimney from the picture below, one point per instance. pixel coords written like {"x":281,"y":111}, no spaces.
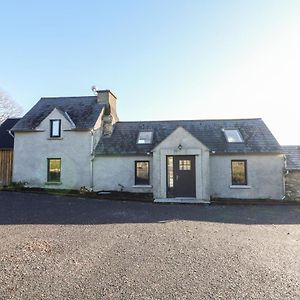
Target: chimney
{"x":109,"y":99}
{"x":103,"y":96}
{"x":107,"y":125}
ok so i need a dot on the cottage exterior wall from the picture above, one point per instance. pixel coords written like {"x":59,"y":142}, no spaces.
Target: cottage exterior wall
{"x":116,"y":173}
{"x":33,"y":148}
{"x":80,"y":167}
{"x":264,"y":173}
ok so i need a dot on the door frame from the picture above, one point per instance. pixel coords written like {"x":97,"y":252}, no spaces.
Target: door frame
{"x":170,"y":191}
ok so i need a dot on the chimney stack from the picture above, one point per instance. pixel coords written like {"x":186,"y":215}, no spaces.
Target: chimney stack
{"x":103,"y":96}
{"x":109,"y":99}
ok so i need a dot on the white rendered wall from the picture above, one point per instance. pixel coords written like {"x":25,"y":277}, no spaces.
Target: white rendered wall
{"x":264,"y":174}
{"x":31,"y":150}
{"x":116,"y":173}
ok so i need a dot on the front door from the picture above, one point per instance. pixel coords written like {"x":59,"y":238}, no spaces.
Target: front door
{"x":181,"y":179}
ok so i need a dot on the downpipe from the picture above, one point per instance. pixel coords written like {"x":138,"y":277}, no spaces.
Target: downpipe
{"x":92,"y":161}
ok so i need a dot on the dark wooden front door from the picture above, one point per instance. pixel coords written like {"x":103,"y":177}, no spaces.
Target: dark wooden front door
{"x":181,"y":171}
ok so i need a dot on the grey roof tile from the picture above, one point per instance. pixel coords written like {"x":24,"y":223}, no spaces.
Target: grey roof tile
{"x":292,"y":153}
{"x":84,"y":111}
{"x":257,"y":137}
{"x":6,"y":140}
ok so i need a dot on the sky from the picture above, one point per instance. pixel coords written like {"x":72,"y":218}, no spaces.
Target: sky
{"x":163,"y":59}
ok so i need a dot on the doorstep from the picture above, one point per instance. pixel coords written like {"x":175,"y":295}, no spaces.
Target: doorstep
{"x":181,"y":200}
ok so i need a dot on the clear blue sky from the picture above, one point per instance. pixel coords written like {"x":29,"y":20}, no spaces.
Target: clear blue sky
{"x":163,"y":59}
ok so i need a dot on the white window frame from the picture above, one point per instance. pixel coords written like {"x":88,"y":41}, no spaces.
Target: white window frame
{"x":52,"y":122}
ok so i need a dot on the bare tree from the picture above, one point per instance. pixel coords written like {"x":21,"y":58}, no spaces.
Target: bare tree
{"x":8,"y":107}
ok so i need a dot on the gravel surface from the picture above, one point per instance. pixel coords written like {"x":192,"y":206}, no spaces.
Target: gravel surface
{"x":70,"y":248}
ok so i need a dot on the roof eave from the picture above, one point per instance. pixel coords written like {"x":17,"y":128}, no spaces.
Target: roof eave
{"x":244,"y":152}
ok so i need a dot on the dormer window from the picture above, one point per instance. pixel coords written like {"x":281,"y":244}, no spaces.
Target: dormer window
{"x":233,"y":136}
{"x":55,"y":128}
{"x":145,"y":137}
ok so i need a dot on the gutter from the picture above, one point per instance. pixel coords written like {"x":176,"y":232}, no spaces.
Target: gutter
{"x":10,"y":133}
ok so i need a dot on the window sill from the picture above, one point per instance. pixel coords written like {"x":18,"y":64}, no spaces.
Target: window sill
{"x":55,"y":138}
{"x":142,"y":186}
{"x":53,"y":183}
{"x":240,"y":186}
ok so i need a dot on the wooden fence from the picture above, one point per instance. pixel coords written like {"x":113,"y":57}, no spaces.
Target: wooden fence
{"x":6,"y":164}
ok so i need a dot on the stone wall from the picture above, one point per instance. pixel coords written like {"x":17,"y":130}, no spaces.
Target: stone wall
{"x":292,"y":185}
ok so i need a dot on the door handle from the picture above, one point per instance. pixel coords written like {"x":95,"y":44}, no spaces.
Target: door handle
{"x":177,"y":177}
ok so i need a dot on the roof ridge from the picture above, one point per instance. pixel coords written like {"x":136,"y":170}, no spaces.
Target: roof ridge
{"x":189,"y":120}
{"x":66,"y":97}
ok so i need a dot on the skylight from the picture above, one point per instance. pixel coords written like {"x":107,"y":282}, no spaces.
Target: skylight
{"x":233,"y":136}
{"x":145,"y":137}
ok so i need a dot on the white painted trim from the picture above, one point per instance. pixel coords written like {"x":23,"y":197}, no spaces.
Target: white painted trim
{"x":142,"y":186}
{"x":240,"y":186}
{"x":70,"y":120}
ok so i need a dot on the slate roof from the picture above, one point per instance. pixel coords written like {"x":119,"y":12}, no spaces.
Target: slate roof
{"x":293,"y":156}
{"x":257,"y":137}
{"x":84,"y":112}
{"x":6,"y":140}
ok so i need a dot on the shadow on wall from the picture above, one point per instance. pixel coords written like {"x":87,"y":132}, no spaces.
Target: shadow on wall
{"x":26,"y":208}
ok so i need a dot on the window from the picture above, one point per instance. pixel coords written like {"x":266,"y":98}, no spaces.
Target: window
{"x":239,"y":172}
{"x":55,"y":128}
{"x":233,"y":136}
{"x":170,"y":167}
{"x":184,"y":165}
{"x":142,"y":173}
{"x":145,"y":137}
{"x":54,"y":168}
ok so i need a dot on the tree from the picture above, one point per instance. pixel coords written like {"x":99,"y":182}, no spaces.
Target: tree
{"x":8,"y":107}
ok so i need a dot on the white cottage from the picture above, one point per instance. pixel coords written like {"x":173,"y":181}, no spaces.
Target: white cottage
{"x":70,"y":142}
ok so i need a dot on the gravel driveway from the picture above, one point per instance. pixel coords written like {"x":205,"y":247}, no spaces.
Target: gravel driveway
{"x":54,"y":247}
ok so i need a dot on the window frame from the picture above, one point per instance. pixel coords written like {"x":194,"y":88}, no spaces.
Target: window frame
{"x":245,"y":170}
{"x":48,"y":169}
{"x":169,"y":181}
{"x":238,"y":132}
{"x":135,"y":172}
{"x":138,"y":137}
{"x":184,"y":166}
{"x":51,"y":128}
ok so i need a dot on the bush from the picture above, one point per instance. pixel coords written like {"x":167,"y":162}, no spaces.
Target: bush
{"x":18,"y":186}
{"x":84,"y":190}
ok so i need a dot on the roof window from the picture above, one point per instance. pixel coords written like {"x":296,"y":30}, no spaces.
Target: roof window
{"x":233,"y":136}
{"x":145,"y":137}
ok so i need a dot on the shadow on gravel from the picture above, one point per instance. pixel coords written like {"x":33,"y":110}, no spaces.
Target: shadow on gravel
{"x":25,"y":208}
